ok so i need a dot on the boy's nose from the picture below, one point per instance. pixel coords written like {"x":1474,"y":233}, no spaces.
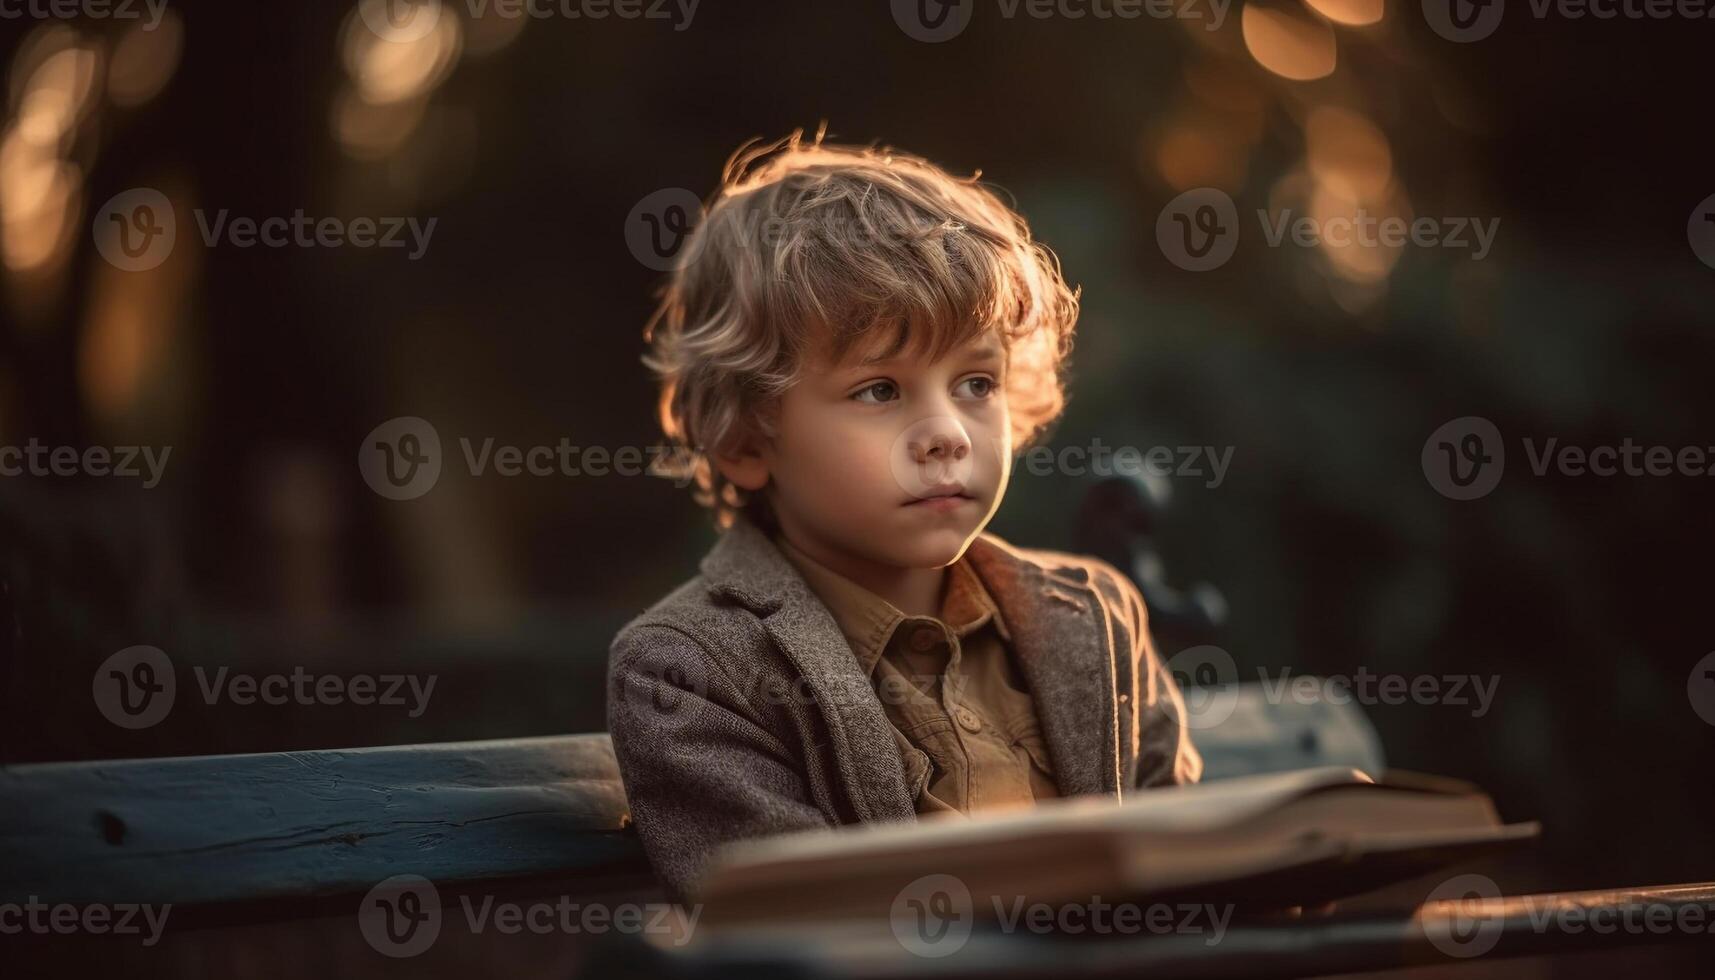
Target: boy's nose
{"x":931,"y":455}
{"x":941,"y":439}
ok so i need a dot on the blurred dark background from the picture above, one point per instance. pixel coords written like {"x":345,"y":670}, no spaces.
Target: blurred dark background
{"x":530,"y":142}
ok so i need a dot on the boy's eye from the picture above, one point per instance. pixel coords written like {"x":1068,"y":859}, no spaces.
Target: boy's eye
{"x":875,"y":394}
{"x":977,"y":387}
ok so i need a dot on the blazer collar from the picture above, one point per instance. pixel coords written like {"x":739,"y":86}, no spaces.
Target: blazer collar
{"x":1059,"y":632}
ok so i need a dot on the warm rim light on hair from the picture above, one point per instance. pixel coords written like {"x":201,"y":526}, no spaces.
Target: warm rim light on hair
{"x":810,"y":247}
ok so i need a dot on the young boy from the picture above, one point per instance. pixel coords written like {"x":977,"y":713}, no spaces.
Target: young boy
{"x":853,"y":345}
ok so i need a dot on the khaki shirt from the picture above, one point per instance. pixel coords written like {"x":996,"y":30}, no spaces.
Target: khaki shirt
{"x":961,"y":712}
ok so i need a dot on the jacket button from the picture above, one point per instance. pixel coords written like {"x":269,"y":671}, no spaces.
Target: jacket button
{"x":967,"y":719}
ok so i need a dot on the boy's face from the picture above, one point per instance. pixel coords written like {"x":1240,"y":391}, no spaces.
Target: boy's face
{"x":892,"y":460}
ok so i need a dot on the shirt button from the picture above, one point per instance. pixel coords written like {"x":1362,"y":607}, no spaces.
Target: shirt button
{"x":967,"y":719}
{"x":923,"y":639}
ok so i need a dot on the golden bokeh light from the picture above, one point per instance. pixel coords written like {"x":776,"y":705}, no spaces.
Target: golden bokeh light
{"x":56,"y":96}
{"x":1219,"y":84}
{"x":53,"y":83}
{"x":489,"y":31}
{"x":40,"y":203}
{"x":144,"y":60}
{"x":1351,"y":13}
{"x":394,"y":70}
{"x":1347,"y":152}
{"x":132,"y":323}
{"x":1293,"y":45}
{"x":369,"y":131}
{"x":1202,"y":153}
{"x":1352,"y":237}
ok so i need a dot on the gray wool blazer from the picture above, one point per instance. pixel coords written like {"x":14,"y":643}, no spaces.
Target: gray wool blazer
{"x":738,"y":711}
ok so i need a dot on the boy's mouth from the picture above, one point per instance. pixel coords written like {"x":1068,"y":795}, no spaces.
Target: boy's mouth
{"x":944,"y":497}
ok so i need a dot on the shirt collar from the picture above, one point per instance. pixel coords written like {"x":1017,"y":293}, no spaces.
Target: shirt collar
{"x":868,"y":621}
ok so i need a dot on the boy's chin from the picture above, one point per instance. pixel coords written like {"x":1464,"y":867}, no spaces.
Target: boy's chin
{"x":935,"y":548}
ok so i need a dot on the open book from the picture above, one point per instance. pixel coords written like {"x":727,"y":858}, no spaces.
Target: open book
{"x":1268,"y":841}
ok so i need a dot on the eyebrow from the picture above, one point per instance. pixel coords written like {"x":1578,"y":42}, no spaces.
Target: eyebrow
{"x":986,"y":354}
{"x":888,"y":353}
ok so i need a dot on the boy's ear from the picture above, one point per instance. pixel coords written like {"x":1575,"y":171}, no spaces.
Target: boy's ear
{"x":743,"y":465}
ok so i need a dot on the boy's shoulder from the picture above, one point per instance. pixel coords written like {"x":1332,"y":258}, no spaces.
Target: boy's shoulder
{"x":694,"y":610}
{"x":1111,"y":586}
{"x":744,"y":577}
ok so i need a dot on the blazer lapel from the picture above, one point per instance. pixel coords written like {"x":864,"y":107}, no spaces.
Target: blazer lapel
{"x":1064,"y":647}
{"x":1060,"y":635}
{"x":748,"y":567}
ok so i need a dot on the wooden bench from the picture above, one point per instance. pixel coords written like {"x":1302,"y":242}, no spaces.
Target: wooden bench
{"x":263,"y":858}
{"x":269,"y":833}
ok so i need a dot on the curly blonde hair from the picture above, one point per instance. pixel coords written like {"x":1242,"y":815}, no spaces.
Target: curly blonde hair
{"x":809,"y":248}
